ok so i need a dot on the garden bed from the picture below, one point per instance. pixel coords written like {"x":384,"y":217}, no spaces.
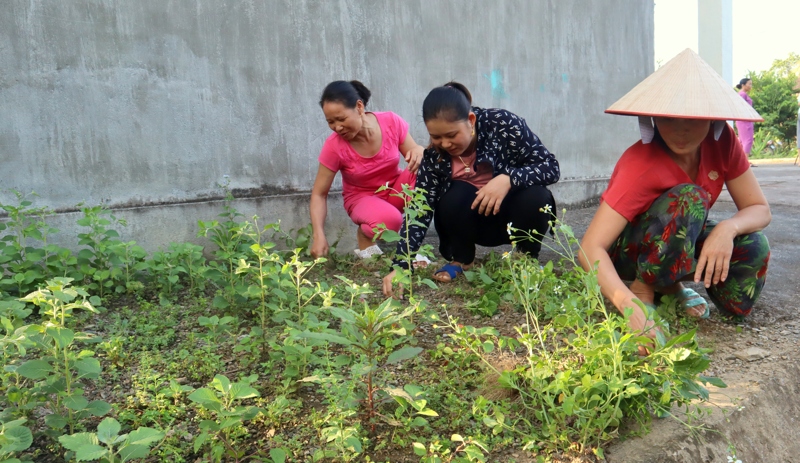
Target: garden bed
{"x":265,"y":355}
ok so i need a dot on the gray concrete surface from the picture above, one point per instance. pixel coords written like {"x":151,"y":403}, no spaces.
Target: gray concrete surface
{"x":146,"y":106}
{"x":780,"y":298}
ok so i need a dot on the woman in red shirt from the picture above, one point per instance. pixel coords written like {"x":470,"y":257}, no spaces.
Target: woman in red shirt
{"x":652,"y":225}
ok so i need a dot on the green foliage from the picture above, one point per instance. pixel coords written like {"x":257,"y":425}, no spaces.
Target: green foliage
{"x":582,"y":373}
{"x":277,"y":312}
{"x":181,"y":264}
{"x":415,"y":207}
{"x":219,"y":435}
{"x":787,"y":66}
{"x":374,"y":337}
{"x":60,"y":367}
{"x":766,"y":145}
{"x":14,"y":438}
{"x":108,"y":446}
{"x":96,"y":260}
{"x":232,"y":238}
{"x":22,"y":265}
{"x":775,"y":98}
{"x":467,"y":450}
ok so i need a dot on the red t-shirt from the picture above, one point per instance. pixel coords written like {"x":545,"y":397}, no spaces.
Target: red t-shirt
{"x":645,"y":172}
{"x":360,"y":175}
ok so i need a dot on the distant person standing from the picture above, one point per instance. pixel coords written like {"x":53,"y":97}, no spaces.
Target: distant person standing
{"x":797,"y":140}
{"x":745,"y":128}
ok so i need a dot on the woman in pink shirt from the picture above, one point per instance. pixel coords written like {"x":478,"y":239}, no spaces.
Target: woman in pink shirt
{"x":366,"y":148}
{"x":745,"y":128}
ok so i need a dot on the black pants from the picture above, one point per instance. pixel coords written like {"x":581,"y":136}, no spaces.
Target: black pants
{"x":461,"y":228}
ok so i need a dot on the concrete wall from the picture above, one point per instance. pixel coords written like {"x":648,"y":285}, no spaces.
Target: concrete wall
{"x":146,"y":104}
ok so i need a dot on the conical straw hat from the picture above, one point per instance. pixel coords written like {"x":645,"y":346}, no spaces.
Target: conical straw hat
{"x":685,"y":87}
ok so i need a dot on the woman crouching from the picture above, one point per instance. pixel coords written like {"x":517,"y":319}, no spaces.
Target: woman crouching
{"x":483,"y":170}
{"x":652,"y":225}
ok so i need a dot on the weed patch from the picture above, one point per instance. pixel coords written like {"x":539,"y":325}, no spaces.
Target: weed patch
{"x":264,"y":354}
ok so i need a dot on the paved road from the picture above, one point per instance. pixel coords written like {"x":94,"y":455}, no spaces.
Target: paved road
{"x":780,"y":299}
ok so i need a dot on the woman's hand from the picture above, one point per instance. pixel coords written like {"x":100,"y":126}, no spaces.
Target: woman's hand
{"x":715,"y":257}
{"x":639,"y":323}
{"x":414,"y":158}
{"x":490,"y":197}
{"x":387,"y":285}
{"x":319,"y":247}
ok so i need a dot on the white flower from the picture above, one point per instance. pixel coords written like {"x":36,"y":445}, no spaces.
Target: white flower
{"x":547,"y":209}
{"x":506,"y":255}
{"x":508,"y":228}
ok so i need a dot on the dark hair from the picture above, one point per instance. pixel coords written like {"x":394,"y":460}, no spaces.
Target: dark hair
{"x":452,"y":102}
{"x":743,"y":82}
{"x":346,"y":93}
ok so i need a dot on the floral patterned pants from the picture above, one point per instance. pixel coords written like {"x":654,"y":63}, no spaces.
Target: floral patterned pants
{"x":661,"y":247}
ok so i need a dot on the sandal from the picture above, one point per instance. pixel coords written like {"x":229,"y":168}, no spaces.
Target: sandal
{"x":373,"y":250}
{"x":452,"y":270}
{"x":689,"y":299}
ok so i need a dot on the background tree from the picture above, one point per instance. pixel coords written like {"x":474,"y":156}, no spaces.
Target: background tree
{"x":774,"y":96}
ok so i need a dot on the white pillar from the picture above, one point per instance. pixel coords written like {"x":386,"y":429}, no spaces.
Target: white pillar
{"x":715,"y":36}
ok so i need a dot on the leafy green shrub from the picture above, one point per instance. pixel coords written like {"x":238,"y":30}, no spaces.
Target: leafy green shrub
{"x":115,"y":448}
{"x":221,"y":400}
{"x":774,"y":96}
{"x":581,"y":373}
{"x":232,"y":238}
{"x":373,"y":338}
{"x":415,"y":207}
{"x":768,"y":145}
{"x":14,"y":437}
{"x":60,"y":368}
{"x":23,"y":265}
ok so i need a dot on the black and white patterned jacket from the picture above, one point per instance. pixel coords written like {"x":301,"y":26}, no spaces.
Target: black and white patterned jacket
{"x":505,"y":142}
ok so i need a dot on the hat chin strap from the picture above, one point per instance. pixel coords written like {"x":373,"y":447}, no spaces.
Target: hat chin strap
{"x":646,"y":129}
{"x":718,"y":126}
{"x":648,"y":132}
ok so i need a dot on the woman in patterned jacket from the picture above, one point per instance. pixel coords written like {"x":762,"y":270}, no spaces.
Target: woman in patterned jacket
{"x":485,"y":169}
{"x":652,"y":226}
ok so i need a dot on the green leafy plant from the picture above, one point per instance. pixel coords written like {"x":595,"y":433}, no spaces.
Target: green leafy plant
{"x":181,"y":265}
{"x":260,"y":277}
{"x":61,"y":368}
{"x":22,"y":264}
{"x":412,"y":408}
{"x":129,"y":260}
{"x":467,"y":450}
{"x":373,"y":335}
{"x":232,"y":238}
{"x":581,"y":373}
{"x":108,"y":445}
{"x":220,"y":399}
{"x":415,"y":207}
{"x":14,"y":438}
{"x":774,"y":96}
{"x":175,"y":391}
{"x":96,"y":260}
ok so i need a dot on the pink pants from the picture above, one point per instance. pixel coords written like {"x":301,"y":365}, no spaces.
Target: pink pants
{"x":370,"y":210}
